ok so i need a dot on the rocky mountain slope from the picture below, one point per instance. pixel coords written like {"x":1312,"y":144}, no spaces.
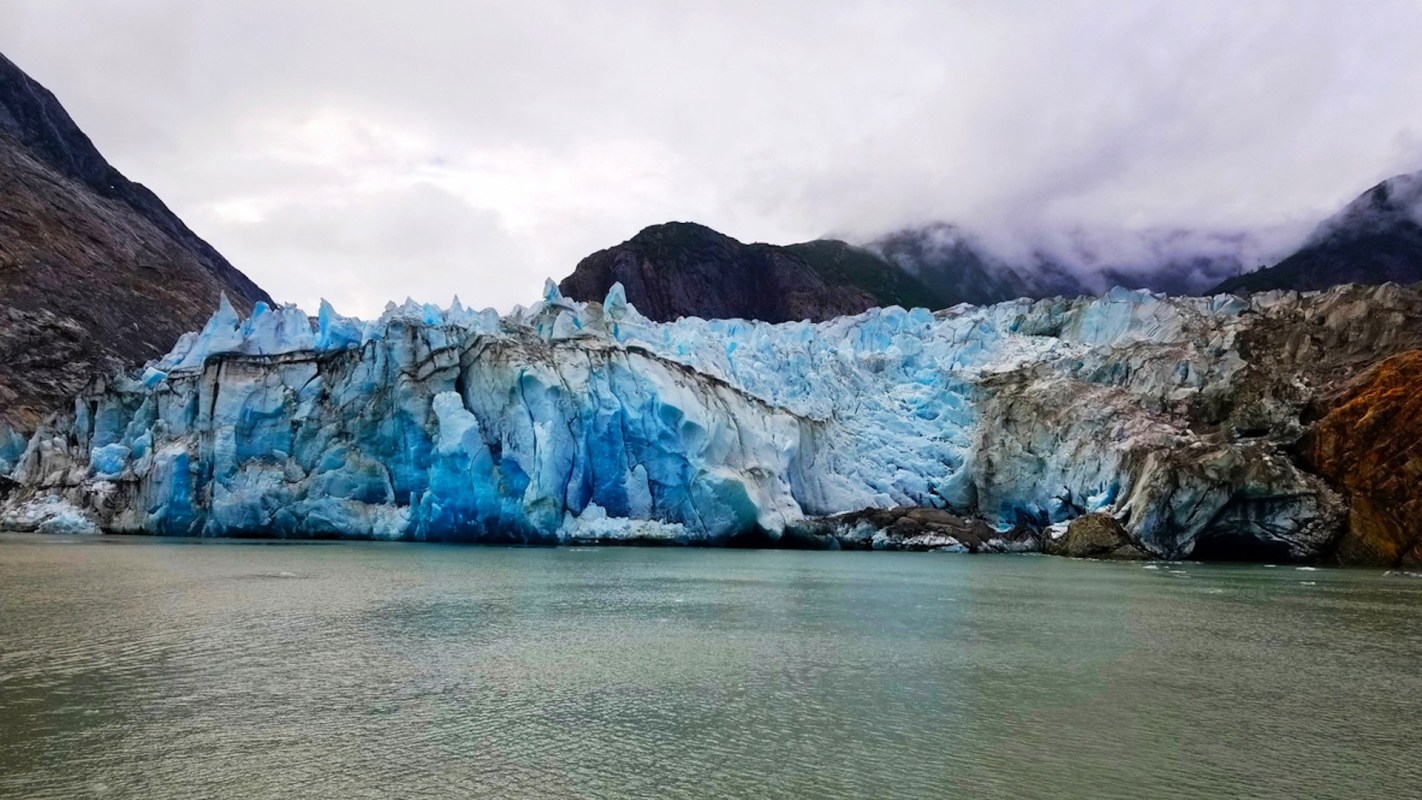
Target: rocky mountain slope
{"x":1179,"y":418}
{"x":957,"y":269}
{"x":96,"y":274}
{"x":681,"y":269}
{"x":1374,"y":239}
{"x":960,"y":267}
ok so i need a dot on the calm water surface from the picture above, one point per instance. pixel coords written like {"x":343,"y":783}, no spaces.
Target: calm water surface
{"x":175,"y":669}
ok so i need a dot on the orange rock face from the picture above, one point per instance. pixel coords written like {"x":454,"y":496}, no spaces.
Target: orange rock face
{"x":1370,"y":445}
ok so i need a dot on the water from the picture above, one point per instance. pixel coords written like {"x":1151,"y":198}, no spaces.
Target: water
{"x":158,"y":668}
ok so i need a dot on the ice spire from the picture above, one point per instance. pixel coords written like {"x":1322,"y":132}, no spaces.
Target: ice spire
{"x":615,"y":305}
{"x":551,"y":295}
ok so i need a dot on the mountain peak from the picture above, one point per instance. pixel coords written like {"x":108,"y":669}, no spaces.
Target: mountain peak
{"x":1393,"y":202}
{"x":98,"y":274}
{"x":675,"y":228}
{"x":33,"y":116}
{"x":681,"y":269}
{"x":1374,"y":239}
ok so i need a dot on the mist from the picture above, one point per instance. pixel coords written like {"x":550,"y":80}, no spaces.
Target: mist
{"x":369,"y":152}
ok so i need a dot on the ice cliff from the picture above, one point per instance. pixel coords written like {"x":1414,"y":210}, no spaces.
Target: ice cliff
{"x":575,"y":422}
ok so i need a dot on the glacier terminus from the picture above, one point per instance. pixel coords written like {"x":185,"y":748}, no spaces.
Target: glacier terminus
{"x":585,"y":422}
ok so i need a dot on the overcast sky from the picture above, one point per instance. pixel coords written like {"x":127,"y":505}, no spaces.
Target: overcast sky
{"x":366,"y":151}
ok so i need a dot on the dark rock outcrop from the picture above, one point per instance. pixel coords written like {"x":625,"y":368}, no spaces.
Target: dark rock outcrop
{"x":1095,"y":536}
{"x":96,"y":274}
{"x":1370,"y":445}
{"x":1375,"y":239}
{"x":681,"y":269}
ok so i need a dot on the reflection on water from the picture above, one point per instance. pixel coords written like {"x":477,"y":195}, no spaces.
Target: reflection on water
{"x":161,"y":668}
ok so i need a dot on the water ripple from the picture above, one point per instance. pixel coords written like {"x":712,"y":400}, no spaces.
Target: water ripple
{"x":167,"y":670}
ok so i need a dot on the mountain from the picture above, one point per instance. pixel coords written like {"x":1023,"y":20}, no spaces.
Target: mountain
{"x":961,"y":267}
{"x":955,"y":267}
{"x":96,"y":273}
{"x":1375,"y":239}
{"x":681,"y":269}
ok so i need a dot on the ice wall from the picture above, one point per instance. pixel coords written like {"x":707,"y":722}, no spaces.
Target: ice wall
{"x":571,"y":421}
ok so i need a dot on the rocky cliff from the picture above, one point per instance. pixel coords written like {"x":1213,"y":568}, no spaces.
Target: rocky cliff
{"x":1179,"y":418}
{"x":96,"y":274}
{"x":1369,"y":443}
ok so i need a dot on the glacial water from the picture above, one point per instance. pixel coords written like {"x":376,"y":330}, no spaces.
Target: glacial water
{"x":154,"y":668}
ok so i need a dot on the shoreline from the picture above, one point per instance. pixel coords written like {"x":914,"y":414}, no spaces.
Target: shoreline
{"x":653,"y":544}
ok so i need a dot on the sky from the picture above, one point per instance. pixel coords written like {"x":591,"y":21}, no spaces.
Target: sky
{"x":369,"y":151}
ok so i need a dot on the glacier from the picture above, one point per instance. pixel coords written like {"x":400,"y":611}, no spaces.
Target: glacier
{"x":585,"y":422}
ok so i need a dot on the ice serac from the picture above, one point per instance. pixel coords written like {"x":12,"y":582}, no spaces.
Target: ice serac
{"x":572,"y":421}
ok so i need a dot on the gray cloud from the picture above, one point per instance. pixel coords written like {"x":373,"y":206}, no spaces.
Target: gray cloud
{"x":368,"y":152}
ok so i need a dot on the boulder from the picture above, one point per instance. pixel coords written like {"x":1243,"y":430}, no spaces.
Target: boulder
{"x":1095,"y":536}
